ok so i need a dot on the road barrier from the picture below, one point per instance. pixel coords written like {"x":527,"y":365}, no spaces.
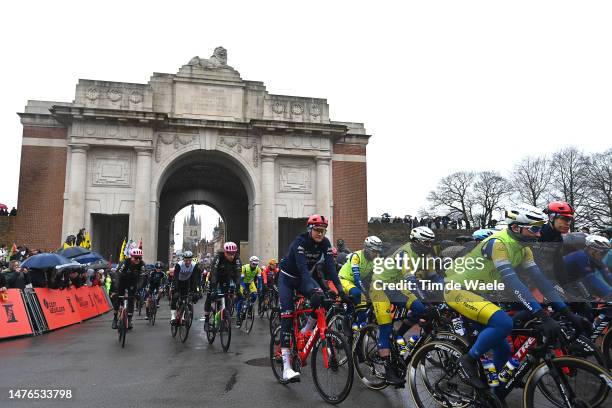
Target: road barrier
{"x":35,"y":311}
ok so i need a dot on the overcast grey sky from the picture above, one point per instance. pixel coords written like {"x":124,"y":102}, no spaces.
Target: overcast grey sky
{"x":440,"y":85}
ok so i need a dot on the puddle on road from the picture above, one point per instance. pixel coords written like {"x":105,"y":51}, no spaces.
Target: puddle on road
{"x":259,"y":362}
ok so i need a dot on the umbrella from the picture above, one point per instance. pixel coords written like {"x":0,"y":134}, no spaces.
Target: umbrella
{"x":99,"y":264}
{"x":72,"y":252}
{"x":44,"y":260}
{"x":88,"y":258}
{"x":3,"y":207}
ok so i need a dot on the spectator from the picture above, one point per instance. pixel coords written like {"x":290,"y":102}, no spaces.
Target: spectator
{"x":342,"y":248}
{"x":492,"y":223}
{"x":2,"y":282}
{"x":437,"y":222}
{"x":74,"y":278}
{"x":397,"y":220}
{"x":3,"y":212}
{"x":423,"y":222}
{"x":460,"y":223}
{"x":385,"y":218}
{"x":407,"y":219}
{"x":3,"y":251}
{"x":80,"y":237}
{"x":429,"y":222}
{"x":13,"y":212}
{"x":453,"y":224}
{"x":415,"y":222}
{"x":16,"y":278}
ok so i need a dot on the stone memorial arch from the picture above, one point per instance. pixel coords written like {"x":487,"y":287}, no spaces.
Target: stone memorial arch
{"x":123,"y":158}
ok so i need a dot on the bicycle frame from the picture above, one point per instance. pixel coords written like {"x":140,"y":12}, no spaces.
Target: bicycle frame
{"x":319,"y":331}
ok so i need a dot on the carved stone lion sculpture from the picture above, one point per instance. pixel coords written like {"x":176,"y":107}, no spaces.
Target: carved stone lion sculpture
{"x":217,"y":61}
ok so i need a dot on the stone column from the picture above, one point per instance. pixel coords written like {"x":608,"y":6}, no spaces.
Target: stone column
{"x":78,"y":185}
{"x":142,"y":214}
{"x":266,"y":230}
{"x":323,"y":191}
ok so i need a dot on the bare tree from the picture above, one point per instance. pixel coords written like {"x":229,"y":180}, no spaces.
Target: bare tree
{"x":531,"y":180}
{"x":569,"y":171}
{"x":454,"y":193}
{"x":489,"y":190}
{"x":597,"y":210}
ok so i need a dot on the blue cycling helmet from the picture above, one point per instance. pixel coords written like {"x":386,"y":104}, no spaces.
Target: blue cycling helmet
{"x":482,"y":234}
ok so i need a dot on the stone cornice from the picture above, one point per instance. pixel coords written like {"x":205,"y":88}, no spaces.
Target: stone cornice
{"x":66,"y":114}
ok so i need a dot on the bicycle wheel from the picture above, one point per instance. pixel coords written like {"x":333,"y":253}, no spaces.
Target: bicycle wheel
{"x":606,"y":348}
{"x":153,"y":315}
{"x":211,"y":333}
{"x":139,"y":306}
{"x":185,"y":325}
{"x":276,"y":358}
{"x":120,"y":331}
{"x":332,"y":367}
{"x":174,"y":327}
{"x":589,"y":382}
{"x":230,"y":306}
{"x":433,"y":377}
{"x":249,"y":319}
{"x":225,"y":330}
{"x":124,"y":328}
{"x":274,"y":319}
{"x":368,"y":364}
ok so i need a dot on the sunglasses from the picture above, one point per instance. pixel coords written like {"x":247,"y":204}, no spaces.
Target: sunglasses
{"x":320,"y":230}
{"x":564,"y":218}
{"x":137,"y":257}
{"x":230,"y":253}
{"x":535,"y":229}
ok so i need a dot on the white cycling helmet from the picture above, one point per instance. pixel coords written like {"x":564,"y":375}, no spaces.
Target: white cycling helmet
{"x":373,"y":243}
{"x":422,"y":234}
{"x":254,"y":260}
{"x":525,"y":215}
{"x":597,"y":243}
{"x":187,"y":254}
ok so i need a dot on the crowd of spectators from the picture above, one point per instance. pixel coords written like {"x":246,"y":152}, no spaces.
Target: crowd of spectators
{"x":5,"y":212}
{"x":437,"y":222}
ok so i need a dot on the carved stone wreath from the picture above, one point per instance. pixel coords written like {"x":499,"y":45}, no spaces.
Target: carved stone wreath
{"x":297,"y":109}
{"x":315,"y":111}
{"x":92,"y":94}
{"x":278,"y":107}
{"x":242,"y":143}
{"x":135,"y":97}
{"x":114,"y":94}
{"x":169,"y":139}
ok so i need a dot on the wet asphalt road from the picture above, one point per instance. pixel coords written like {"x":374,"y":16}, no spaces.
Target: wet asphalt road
{"x":156,"y":370}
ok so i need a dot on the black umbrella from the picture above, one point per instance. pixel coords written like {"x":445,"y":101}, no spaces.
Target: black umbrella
{"x":72,"y":252}
{"x":45,"y":260}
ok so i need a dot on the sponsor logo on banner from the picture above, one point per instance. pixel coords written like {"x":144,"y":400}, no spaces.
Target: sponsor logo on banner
{"x":13,"y":316}
{"x":57,"y":306}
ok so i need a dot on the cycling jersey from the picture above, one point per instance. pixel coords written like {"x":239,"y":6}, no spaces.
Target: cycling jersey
{"x":357,"y":268}
{"x":224,"y":271}
{"x":155,"y":278}
{"x":496,"y":258}
{"x":304,"y":253}
{"x":581,"y":267}
{"x":187,"y":274}
{"x":249,"y":274}
{"x":269,"y":275}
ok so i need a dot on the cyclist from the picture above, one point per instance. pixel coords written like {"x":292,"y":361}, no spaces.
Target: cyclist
{"x":296,"y":268}
{"x":247,"y":284}
{"x":128,"y":275}
{"x":582,"y":267}
{"x":225,"y":271}
{"x":404,"y":268}
{"x":186,"y":274}
{"x":155,"y":279}
{"x":548,"y":252}
{"x":497,"y":258}
{"x":269,"y":274}
{"x":356,"y":276}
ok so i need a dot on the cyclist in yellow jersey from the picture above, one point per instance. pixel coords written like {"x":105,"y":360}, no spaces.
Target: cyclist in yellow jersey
{"x":497,"y":258}
{"x":248,"y":275}
{"x":356,"y":276}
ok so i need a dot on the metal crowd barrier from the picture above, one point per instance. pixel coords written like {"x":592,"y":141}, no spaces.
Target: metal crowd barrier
{"x":35,"y":313}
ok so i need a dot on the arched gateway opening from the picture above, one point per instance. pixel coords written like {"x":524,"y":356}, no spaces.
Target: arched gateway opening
{"x":204,"y":177}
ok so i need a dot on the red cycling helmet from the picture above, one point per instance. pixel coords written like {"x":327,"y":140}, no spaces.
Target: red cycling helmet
{"x":560,"y":208}
{"x":230,"y":247}
{"x":317,"y":220}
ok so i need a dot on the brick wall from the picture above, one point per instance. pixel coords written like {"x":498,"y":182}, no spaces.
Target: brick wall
{"x":350,"y":197}
{"x":41,"y":190}
{"x":7,"y":230}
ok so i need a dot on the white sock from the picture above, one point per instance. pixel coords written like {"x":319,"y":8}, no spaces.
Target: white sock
{"x":286,"y":353}
{"x":309,"y":325}
{"x":172,"y":314}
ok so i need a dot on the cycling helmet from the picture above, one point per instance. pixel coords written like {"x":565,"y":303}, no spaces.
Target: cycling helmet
{"x":136,"y":252}
{"x":525,"y":215}
{"x":597,"y":243}
{"x":272,"y":261}
{"x":557,"y":208}
{"x":482,"y":234}
{"x":317,"y":220}
{"x":188,"y":254}
{"x":159,"y":265}
{"x":422,"y":234}
{"x":254,"y":260}
{"x":373,"y":243}
{"x":230,"y":247}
